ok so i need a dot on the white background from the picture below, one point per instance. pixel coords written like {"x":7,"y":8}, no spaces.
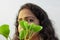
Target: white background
{"x":9,"y":10}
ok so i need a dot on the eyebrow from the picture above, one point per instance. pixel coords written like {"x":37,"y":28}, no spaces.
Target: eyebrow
{"x":27,"y":17}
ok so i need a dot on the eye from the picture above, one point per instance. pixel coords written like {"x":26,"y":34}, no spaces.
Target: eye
{"x":30,"y":20}
{"x":20,"y":19}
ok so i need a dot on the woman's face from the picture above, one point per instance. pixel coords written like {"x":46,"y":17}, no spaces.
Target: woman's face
{"x":27,"y":15}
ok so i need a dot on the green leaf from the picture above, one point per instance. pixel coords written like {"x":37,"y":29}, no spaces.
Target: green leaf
{"x":28,"y":29}
{"x":4,"y":30}
{"x":22,"y":34}
{"x":35,"y":28}
{"x":24,"y":25}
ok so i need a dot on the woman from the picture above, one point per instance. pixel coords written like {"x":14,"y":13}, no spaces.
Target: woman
{"x":33,"y":13}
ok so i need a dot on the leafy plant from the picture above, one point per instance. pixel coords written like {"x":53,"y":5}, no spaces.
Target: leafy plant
{"x":4,"y":30}
{"x":28,"y":30}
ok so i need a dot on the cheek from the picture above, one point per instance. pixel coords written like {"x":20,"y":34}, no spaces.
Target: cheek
{"x":36,"y":22}
{"x":19,"y":28}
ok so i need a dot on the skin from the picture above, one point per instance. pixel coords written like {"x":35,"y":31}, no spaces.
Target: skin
{"x":26,"y":14}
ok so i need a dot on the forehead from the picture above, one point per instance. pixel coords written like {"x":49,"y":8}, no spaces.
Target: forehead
{"x":25,"y":13}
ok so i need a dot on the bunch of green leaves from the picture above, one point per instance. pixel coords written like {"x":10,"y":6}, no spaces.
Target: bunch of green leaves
{"x":28,"y":30}
{"x":4,"y":30}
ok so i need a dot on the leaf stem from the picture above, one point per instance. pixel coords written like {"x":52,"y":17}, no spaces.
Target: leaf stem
{"x":6,"y":38}
{"x":31,"y":36}
{"x":10,"y":38}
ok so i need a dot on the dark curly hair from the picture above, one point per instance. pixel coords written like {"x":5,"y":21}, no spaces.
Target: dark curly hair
{"x":48,"y":32}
